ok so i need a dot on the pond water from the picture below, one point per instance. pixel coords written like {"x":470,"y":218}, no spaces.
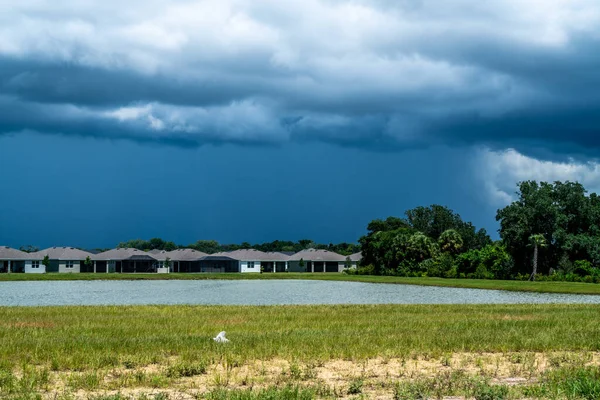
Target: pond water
{"x":258,"y":292}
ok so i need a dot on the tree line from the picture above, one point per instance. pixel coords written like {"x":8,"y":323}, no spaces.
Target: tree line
{"x":212,"y":246}
{"x":551,"y":232}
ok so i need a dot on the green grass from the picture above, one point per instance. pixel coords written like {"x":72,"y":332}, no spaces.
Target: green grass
{"x":117,"y":348}
{"x":86,"y":338}
{"x":518,"y":286}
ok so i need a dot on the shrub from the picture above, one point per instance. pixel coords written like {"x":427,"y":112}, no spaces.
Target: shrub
{"x":485,"y":391}
{"x":582,"y":268}
{"x":355,"y":386}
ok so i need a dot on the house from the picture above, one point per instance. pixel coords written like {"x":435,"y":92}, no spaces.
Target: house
{"x":313,"y":260}
{"x":184,"y":260}
{"x":219,"y":262}
{"x":275,"y":262}
{"x":124,"y":260}
{"x":355,"y":259}
{"x":62,"y":259}
{"x":12,"y":260}
{"x":250,"y":260}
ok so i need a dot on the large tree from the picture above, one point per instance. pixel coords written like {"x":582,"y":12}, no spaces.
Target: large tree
{"x":436,"y":219}
{"x":560,"y":212}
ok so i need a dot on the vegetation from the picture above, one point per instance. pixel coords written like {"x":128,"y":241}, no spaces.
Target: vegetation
{"x":212,"y":246}
{"x":559,"y":218}
{"x":410,"y":351}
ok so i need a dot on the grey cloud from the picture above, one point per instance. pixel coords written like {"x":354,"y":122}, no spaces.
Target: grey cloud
{"x":378,"y":74}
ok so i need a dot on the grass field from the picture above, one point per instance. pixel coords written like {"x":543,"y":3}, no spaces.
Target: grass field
{"x":384,"y":351}
{"x":520,"y":286}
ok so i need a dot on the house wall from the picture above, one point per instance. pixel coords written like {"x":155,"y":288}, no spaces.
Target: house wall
{"x":62,"y":267}
{"x":245,"y":266}
{"x":30,"y":270}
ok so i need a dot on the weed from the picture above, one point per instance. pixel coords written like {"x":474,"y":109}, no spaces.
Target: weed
{"x":186,"y":369}
{"x":355,"y":386}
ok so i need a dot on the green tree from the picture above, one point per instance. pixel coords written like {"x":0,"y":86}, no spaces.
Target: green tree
{"x":450,"y":242}
{"x":536,"y":241}
{"x":559,"y":211}
{"x":88,"y":264}
{"x":348,"y":263}
{"x":46,"y":262}
{"x":436,"y":219}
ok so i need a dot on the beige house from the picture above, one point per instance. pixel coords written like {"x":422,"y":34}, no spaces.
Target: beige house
{"x":12,"y":260}
{"x":62,"y":259}
{"x":313,"y":260}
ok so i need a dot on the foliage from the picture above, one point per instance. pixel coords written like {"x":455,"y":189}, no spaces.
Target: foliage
{"x":492,"y":261}
{"x":46,"y":261}
{"x":450,"y":241}
{"x":212,"y":246}
{"x":29,"y":249}
{"x":436,"y":219}
{"x":567,"y":218}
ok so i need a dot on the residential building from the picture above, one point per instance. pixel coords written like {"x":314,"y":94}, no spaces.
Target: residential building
{"x":61,"y":259}
{"x":12,"y":260}
{"x":313,"y":260}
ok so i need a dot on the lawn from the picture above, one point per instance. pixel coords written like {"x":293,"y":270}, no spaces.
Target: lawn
{"x":519,"y":286}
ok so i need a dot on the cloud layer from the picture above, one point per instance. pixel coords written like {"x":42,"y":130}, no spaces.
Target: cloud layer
{"x":379,"y":73}
{"x":500,"y":172}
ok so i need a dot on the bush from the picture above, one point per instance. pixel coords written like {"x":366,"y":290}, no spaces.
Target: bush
{"x":484,"y":391}
{"x":582,"y":268}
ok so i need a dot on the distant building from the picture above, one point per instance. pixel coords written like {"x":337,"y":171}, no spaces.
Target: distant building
{"x":129,"y":260}
{"x":313,"y":260}
{"x":62,"y":259}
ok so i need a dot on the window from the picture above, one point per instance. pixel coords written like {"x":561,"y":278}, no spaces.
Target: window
{"x":69,"y":264}
{"x":35,"y":264}
{"x":250,"y":264}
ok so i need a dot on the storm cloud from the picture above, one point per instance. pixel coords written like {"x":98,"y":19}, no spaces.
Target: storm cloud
{"x":382,"y":74}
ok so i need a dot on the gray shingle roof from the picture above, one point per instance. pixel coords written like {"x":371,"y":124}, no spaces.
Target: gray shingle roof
{"x":317,"y":255}
{"x":8,"y":253}
{"x":356,"y":256}
{"x":122,"y":254}
{"x":253,"y":255}
{"x":243,"y":255}
{"x":63,"y":253}
{"x":184,"y":255}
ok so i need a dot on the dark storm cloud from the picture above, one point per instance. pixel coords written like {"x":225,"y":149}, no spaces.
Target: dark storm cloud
{"x":377,"y":74}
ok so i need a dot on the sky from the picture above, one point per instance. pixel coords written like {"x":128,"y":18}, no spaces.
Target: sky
{"x":257,"y":120}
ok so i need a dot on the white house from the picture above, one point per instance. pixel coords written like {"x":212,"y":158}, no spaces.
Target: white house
{"x":249,"y":260}
{"x":313,"y":260}
{"x":62,"y":259}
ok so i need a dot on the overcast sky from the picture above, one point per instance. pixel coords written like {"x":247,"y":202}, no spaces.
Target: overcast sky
{"x":259,"y":120}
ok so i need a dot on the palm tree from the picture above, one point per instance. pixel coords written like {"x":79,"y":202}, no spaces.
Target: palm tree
{"x":537,"y":241}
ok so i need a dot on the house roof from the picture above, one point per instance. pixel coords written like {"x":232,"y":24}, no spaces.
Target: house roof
{"x":356,"y":256}
{"x":8,"y":253}
{"x":217,"y":257}
{"x":62,"y":253}
{"x":253,"y":255}
{"x":183,"y":255}
{"x":317,"y":255}
{"x":276,"y":256}
{"x":123,"y":254}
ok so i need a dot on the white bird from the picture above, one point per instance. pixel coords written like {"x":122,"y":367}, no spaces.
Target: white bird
{"x":221,"y":338}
